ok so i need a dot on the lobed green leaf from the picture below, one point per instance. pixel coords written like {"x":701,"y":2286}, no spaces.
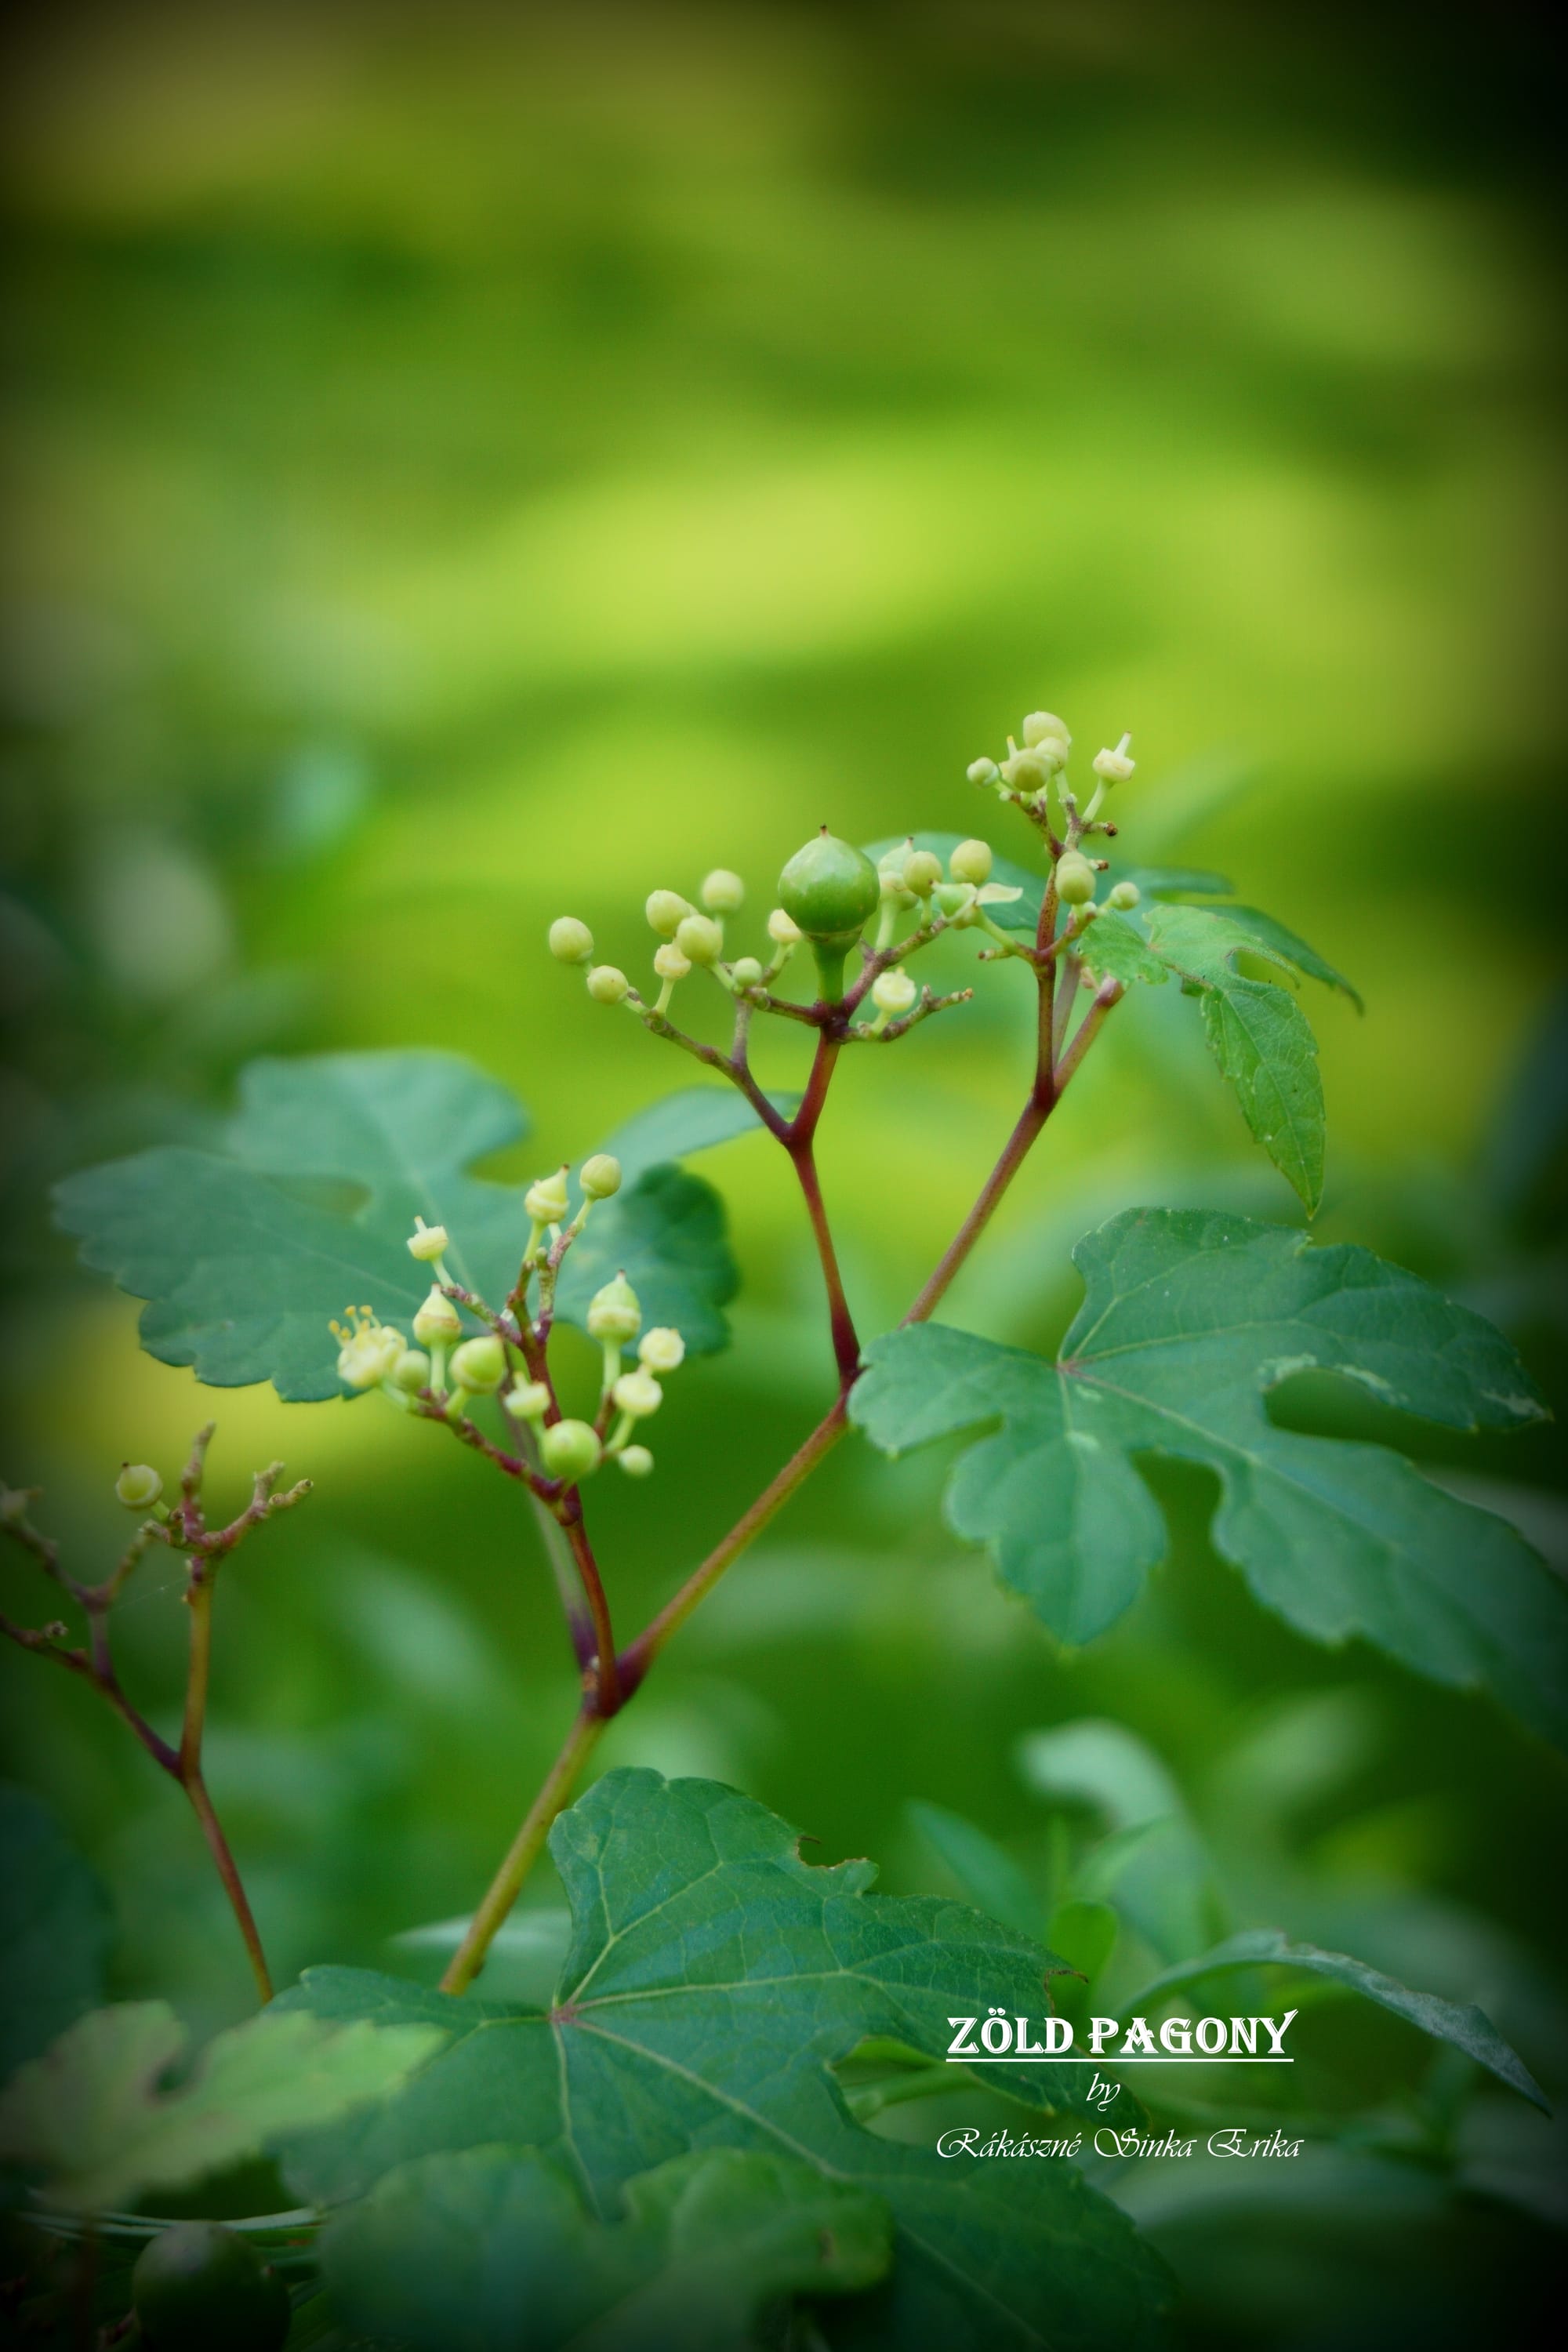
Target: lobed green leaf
{"x":1189,"y":1320}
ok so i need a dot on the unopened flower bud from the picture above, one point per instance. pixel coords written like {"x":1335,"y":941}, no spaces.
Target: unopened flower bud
{"x":662,"y":1349}
{"x":893,"y":992}
{"x":480,"y":1364}
{"x":570,"y":1450}
{"x":601,"y":1176}
{"x":527,"y":1399}
{"x":953,"y":899}
{"x":1124,"y":894}
{"x":699,"y":938}
{"x":637,"y":1393}
{"x":138,"y":1486}
{"x":782,"y":929}
{"x":666,"y":911}
{"x":1027,"y":771}
{"x":545,"y":1201}
{"x":436,"y":1320}
{"x":636,"y":1461}
{"x":607,"y":984}
{"x":922,"y":872}
{"x":427,"y":1242}
{"x":670,"y":963}
{"x":983,"y":771}
{"x":412,"y":1372}
{"x":1115,"y":767}
{"x":723,"y":893}
{"x":1044,"y":726}
{"x":614,"y":1312}
{"x":971,"y":861}
{"x":746,"y":972}
{"x":569,"y":940}
{"x":1075,"y":879}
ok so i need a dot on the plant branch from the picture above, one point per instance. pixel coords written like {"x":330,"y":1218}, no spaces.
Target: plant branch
{"x":502,"y":1892}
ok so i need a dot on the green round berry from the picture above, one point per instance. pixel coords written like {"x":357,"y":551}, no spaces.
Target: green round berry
{"x":971,"y":861}
{"x":138,"y":1486}
{"x":746,"y":972}
{"x":480,"y":1364}
{"x":198,"y":2285}
{"x":569,"y":940}
{"x":699,"y":938}
{"x":830,"y":890}
{"x":1075,"y":879}
{"x":570,"y":1450}
{"x":412,"y":1372}
{"x":921,"y":872}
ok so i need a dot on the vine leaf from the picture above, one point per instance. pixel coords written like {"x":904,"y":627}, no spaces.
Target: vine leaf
{"x":1257,"y":1031}
{"x":54,"y":1929}
{"x":1189,"y":1319}
{"x":467,"y":2247}
{"x":245,"y":1254}
{"x":714,"y":1981}
{"x":1113,"y":949}
{"x":89,"y":2115}
{"x":1468,"y":2029}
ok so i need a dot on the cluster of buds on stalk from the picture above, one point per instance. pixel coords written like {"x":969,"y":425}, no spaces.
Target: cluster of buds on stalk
{"x":442,"y":1367}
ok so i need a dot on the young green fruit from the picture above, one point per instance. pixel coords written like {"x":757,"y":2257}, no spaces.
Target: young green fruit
{"x":1124,"y":894}
{"x":480,"y":1364}
{"x":746,"y":972}
{"x":921,"y":872}
{"x":570,"y":1450}
{"x":614,"y":1312}
{"x":830,"y":890}
{"x":412,"y":1372}
{"x":1075,"y":879}
{"x":601,"y":1176}
{"x":438,"y":1318}
{"x":199,"y":2285}
{"x":569,"y":940}
{"x":699,"y":938}
{"x":138,"y":1486}
{"x":971,"y":861}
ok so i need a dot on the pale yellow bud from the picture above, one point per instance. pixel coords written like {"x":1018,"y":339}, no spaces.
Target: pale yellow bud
{"x":436,"y":1320}
{"x":783,"y":929}
{"x":723,"y":893}
{"x":607,"y":984}
{"x":546,"y":1200}
{"x":670,"y":964}
{"x":138,"y":1486}
{"x":637,"y":1393}
{"x":893,"y":992}
{"x":662,"y":1349}
{"x":427,"y":1242}
{"x":666,"y":911}
{"x":569,"y":940}
{"x":699,"y":938}
{"x":601,"y":1176}
{"x":971,"y":861}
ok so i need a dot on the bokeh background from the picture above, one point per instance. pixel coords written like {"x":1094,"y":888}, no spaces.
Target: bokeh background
{"x":471,"y":462}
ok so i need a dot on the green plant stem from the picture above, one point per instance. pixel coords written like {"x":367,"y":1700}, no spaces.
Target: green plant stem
{"x":187,"y":1768}
{"x":502,"y":1892}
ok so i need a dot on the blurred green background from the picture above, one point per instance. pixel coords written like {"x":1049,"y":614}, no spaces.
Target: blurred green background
{"x":468,"y":463}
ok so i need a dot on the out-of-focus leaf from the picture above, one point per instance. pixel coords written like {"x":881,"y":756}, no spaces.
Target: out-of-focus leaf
{"x":1113,"y":949}
{"x":1188,"y":1320}
{"x":491,"y":2248}
{"x":54,"y":1930}
{"x":1468,"y":2028}
{"x":1257,"y":1034}
{"x":245,"y":1257}
{"x":695,"y":1120}
{"x":988,"y":1875}
{"x":1273,"y":939}
{"x":90,"y":2118}
{"x":1085,"y":1933}
{"x":714,"y":1982}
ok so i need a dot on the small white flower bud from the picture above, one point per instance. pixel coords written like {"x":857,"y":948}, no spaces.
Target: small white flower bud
{"x":480,"y":1364}
{"x":527,"y":1399}
{"x":601,"y":1176}
{"x":922,"y":872}
{"x":1124,"y":894}
{"x":666,"y":911}
{"x":746,"y":972}
{"x":723,"y":893}
{"x":670,"y":963}
{"x":636,"y":1461}
{"x":782,"y":929}
{"x":1115,"y":767}
{"x":546,"y":1200}
{"x":637,"y":1393}
{"x":971,"y":861}
{"x":1027,"y":771}
{"x":983,"y":771}
{"x":1044,"y":726}
{"x":570,"y":1450}
{"x":893,"y":992}
{"x":427,"y":1242}
{"x":662,"y":1349}
{"x":614,"y":1312}
{"x":412,"y":1372}
{"x":607,"y":984}
{"x":436,"y":1320}
{"x":138,"y":1486}
{"x":569,"y":940}
{"x":1075,"y":879}
{"x":699,"y":938}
